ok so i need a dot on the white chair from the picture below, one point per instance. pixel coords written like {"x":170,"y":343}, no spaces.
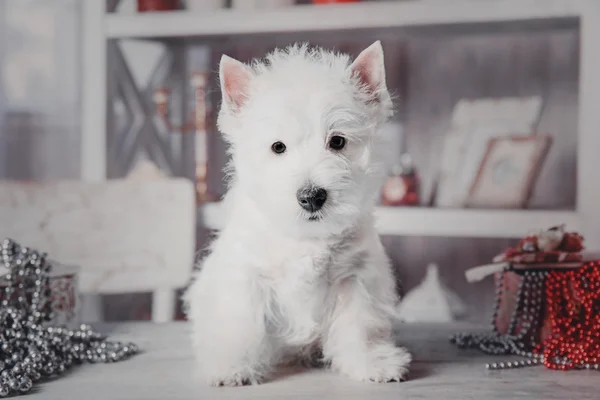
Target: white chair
{"x":126,"y":235}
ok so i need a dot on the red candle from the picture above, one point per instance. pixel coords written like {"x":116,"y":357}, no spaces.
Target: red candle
{"x":157,"y":5}
{"x":334,"y":1}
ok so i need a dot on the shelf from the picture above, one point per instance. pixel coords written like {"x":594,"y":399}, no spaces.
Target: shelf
{"x":306,"y":18}
{"x":407,"y":221}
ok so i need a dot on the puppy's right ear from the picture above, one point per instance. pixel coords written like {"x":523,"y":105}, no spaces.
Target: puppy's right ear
{"x":369,"y":68}
{"x":235,"y":80}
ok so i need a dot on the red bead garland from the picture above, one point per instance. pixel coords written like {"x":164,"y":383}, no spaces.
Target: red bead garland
{"x":573,"y":306}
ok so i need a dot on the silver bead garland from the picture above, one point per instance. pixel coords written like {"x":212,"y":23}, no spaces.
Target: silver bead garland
{"x":525,"y":315}
{"x":29,"y":349}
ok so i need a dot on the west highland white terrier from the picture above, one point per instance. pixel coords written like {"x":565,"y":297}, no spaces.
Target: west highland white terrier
{"x":298,"y":269}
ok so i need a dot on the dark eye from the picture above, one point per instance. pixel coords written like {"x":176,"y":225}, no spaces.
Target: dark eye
{"x":337,"y":142}
{"x":278,"y":147}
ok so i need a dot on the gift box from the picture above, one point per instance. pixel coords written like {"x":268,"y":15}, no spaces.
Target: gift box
{"x":508,"y":284}
{"x":552,"y":250}
{"x":38,"y":301}
{"x":547,"y":304}
{"x":64,"y":298}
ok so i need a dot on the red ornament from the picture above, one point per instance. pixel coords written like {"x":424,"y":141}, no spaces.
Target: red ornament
{"x":402,"y":186}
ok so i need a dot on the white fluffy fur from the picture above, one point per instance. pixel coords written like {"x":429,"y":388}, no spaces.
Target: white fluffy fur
{"x":276,"y":284}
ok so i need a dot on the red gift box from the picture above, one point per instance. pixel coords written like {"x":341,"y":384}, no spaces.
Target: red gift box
{"x":547,"y":304}
{"x":64,"y":294}
{"x":509,"y":282}
{"x":553,"y":249}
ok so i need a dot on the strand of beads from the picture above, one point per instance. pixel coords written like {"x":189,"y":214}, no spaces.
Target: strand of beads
{"x":522,"y":329}
{"x":29,"y":349}
{"x":573,"y":307}
{"x":573,"y":299}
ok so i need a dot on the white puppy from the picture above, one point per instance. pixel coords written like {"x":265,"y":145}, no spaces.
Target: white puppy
{"x":298,"y":269}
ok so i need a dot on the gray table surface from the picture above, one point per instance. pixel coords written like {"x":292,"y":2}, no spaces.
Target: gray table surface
{"x":440,"y":372}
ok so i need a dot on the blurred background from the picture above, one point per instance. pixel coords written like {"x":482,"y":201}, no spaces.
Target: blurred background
{"x":483,"y":144}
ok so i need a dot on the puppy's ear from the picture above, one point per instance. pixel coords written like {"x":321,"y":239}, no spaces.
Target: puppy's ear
{"x":369,"y":68}
{"x":235,"y":80}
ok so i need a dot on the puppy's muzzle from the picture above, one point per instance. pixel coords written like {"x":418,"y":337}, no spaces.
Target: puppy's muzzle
{"x":311,"y":199}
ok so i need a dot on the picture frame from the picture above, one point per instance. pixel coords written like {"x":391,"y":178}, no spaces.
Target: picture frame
{"x":508,"y":172}
{"x":474,"y":122}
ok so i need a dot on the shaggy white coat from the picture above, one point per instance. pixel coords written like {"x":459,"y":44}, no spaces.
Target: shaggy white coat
{"x":277,"y":285}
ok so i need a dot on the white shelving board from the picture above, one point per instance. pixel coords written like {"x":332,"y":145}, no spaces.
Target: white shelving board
{"x":443,"y":14}
{"x":418,"y":221}
{"x":303,"y":18}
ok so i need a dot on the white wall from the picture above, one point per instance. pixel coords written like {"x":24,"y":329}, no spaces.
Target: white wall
{"x":39,"y":82}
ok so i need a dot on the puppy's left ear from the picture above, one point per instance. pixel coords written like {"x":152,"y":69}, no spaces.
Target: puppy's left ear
{"x":369,"y":68}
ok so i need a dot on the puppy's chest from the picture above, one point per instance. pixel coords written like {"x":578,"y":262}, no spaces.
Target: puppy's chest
{"x":309,"y":266}
{"x":309,"y":274}
{"x":301,"y":287}
{"x":300,"y":274}
{"x":303,"y":280}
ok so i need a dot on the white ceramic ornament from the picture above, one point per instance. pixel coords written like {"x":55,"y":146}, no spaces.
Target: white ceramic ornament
{"x":431,"y":301}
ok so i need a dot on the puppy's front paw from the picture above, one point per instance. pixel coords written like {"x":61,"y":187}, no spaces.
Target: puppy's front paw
{"x":393,"y":375}
{"x":384,"y":363}
{"x":236,"y":380}
{"x":390,"y":367}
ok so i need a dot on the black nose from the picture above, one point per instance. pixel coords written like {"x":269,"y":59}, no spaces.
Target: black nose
{"x":311,"y":199}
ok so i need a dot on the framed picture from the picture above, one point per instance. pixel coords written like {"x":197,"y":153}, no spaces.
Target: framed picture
{"x":508,"y":172}
{"x":474,"y":123}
